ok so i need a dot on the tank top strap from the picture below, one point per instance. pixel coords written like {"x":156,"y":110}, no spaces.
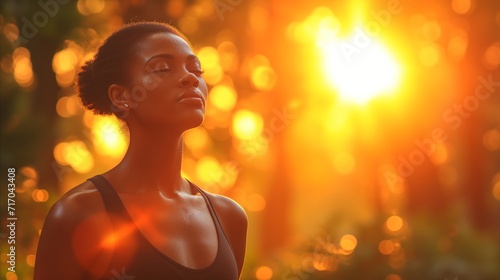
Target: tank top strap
{"x":112,"y":201}
{"x":212,"y":212}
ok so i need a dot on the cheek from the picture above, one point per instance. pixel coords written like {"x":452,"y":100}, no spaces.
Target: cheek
{"x":151,"y":82}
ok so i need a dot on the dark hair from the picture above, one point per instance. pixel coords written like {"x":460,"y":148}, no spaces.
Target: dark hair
{"x":109,"y":64}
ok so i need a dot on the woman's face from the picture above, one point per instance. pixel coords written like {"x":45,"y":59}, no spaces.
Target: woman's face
{"x":165,"y":86}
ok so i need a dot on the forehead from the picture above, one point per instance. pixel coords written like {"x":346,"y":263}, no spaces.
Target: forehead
{"x":161,"y":43}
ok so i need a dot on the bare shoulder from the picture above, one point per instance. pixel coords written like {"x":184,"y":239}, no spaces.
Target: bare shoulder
{"x":77,"y":203}
{"x":72,"y":228}
{"x":228,"y":208}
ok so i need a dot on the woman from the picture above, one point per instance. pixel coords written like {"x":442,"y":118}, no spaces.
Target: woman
{"x":141,"y":219}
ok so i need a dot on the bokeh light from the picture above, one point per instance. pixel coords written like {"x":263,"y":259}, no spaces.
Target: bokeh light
{"x":223,"y":97}
{"x":75,"y":154}
{"x":496,"y":186}
{"x":23,"y":73}
{"x":210,"y":62}
{"x":67,"y":106}
{"x":491,"y":139}
{"x":89,"y":7}
{"x":491,"y":58}
{"x":359,"y":74}
{"x":348,"y":242}
{"x":30,"y":260}
{"x":387,"y":247}
{"x":108,"y":137}
{"x":197,"y":140}
{"x":255,"y":202}
{"x":461,"y":6}
{"x":11,"y":276}
{"x":430,"y":55}
{"x":394,"y":223}
{"x":263,"y":273}
{"x":247,"y":124}
{"x":40,"y":195}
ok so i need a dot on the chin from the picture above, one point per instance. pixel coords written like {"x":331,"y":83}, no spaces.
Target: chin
{"x":193,"y":122}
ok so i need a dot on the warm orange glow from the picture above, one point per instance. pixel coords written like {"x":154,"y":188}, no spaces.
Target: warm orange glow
{"x":247,"y":124}
{"x":75,"y":154}
{"x":394,"y":223}
{"x":393,"y":277}
{"x":359,"y":67}
{"x":397,"y":260}
{"x":11,"y":31}
{"x":29,"y":172}
{"x":348,"y":242}
{"x":67,"y":106}
{"x":30,"y":260}
{"x":461,"y":6}
{"x":64,"y":61}
{"x":255,"y":202}
{"x":95,"y":6}
{"x":344,"y":163}
{"x":29,"y":183}
{"x":23,"y":73}
{"x":430,"y":55}
{"x":447,"y":175}
{"x":88,"y":7}
{"x":210,"y":63}
{"x":264,"y":273}
{"x":496,"y":190}
{"x":491,"y":57}
{"x":263,"y":78}
{"x":321,"y":263}
{"x":11,"y":276}
{"x":386,"y":247}
{"x":440,"y":154}
{"x":66,"y":79}
{"x":431,"y":30}
{"x":458,"y":45}
{"x":110,"y":240}
{"x":491,"y":139}
{"x":223,"y":97}
{"x":64,"y":64}
{"x":118,"y":235}
{"x":175,"y":8}
{"x":188,"y":24}
{"x":208,"y":170}
{"x":40,"y":195}
{"x":88,"y":118}
{"x":359,"y":74}
{"x":228,"y":56}
{"x":108,"y":138}
{"x":196,"y":139}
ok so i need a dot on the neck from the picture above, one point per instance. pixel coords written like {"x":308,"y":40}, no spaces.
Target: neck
{"x":152,"y":162}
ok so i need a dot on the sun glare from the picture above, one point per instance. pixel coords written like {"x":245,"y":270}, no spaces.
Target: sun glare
{"x":359,"y":72}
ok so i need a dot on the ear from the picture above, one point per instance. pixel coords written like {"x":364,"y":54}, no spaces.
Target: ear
{"x":119,"y":97}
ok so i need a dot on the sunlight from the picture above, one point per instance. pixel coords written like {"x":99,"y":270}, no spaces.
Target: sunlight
{"x":359,"y":68}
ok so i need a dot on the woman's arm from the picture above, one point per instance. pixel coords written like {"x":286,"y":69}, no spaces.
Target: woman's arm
{"x":71,"y":238}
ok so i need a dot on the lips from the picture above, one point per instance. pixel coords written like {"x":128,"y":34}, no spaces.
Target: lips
{"x":191,"y":98}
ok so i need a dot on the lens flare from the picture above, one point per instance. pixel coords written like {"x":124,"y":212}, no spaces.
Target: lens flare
{"x":359,"y":72}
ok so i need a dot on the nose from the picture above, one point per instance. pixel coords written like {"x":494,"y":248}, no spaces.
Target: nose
{"x":189,"y":79}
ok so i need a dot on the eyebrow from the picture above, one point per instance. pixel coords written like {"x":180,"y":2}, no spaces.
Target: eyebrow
{"x":169,"y":56}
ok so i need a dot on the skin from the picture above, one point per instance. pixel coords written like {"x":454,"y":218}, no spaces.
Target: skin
{"x":169,"y":213}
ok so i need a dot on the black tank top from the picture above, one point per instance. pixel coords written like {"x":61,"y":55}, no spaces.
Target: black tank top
{"x":134,"y":257}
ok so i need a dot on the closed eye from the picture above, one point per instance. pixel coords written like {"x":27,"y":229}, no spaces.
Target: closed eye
{"x":197,"y":72}
{"x":161,"y":70}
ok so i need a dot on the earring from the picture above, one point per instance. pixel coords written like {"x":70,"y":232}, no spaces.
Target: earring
{"x":126,"y":105}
